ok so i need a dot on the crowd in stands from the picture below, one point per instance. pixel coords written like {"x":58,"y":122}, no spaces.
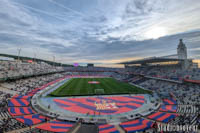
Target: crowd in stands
{"x":92,"y":69}
{"x":18,"y":68}
{"x":186,"y":96}
{"x":177,"y":74}
{"x":22,"y":87}
{"x":174,"y":73}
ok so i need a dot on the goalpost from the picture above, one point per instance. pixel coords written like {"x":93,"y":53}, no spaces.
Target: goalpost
{"x":99,"y":91}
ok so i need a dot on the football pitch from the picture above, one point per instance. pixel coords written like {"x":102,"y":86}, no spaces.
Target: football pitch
{"x":95,"y":86}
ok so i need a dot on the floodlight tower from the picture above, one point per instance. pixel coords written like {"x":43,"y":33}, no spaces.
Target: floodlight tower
{"x":19,"y":51}
{"x":54,"y":58}
{"x":34,"y":57}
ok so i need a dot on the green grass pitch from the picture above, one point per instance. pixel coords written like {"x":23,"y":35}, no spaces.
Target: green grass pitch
{"x":107,"y":86}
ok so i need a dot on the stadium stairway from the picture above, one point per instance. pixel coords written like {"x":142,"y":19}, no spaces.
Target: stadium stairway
{"x":119,"y":129}
{"x":168,"y":112}
{"x":7,"y":90}
{"x":139,"y":81}
{"x":4,"y":115}
{"x":76,"y":128}
{"x":181,"y":109}
{"x":27,"y":128}
{"x":24,"y":129}
{"x":187,"y":109}
{"x":153,"y":120}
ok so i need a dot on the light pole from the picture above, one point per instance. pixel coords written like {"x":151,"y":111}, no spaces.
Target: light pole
{"x":19,"y":51}
{"x":34,"y":57}
{"x":17,"y":64}
{"x":54,"y":58}
{"x":34,"y":63}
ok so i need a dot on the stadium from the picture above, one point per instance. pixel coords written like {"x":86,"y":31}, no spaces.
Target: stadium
{"x":99,"y":99}
{"x":99,"y":66}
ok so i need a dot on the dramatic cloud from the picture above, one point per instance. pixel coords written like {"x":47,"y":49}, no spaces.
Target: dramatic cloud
{"x":99,"y":31}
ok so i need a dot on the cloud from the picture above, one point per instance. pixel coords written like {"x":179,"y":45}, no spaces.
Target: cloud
{"x":106,"y":30}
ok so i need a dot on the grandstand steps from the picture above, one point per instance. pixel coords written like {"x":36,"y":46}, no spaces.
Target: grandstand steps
{"x":4,"y":115}
{"x":75,"y":128}
{"x":148,"y":119}
{"x":19,"y":130}
{"x":7,"y":90}
{"x":153,"y":120}
{"x":24,"y":115}
{"x":27,"y":128}
{"x":119,"y":129}
{"x":183,"y":109}
{"x":24,"y":129}
{"x":179,"y":113}
{"x":162,"y":79}
{"x":168,"y":112}
{"x":187,"y":109}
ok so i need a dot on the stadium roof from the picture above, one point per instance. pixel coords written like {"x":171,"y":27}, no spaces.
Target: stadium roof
{"x":30,"y":58}
{"x":151,"y":60}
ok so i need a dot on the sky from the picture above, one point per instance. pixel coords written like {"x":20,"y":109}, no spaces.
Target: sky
{"x":103,"y":32}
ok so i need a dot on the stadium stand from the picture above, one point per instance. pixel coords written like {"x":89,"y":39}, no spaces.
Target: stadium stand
{"x":18,"y":102}
{"x":17,"y":111}
{"x":31,"y":119}
{"x":169,"y":101}
{"x":56,"y":126}
{"x":16,"y":69}
{"x":180,"y":101}
{"x":106,"y":128}
{"x":136,"y":125}
{"x":162,"y":116}
{"x":168,"y":108}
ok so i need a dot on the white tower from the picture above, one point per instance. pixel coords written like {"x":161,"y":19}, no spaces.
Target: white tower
{"x":182,"y":50}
